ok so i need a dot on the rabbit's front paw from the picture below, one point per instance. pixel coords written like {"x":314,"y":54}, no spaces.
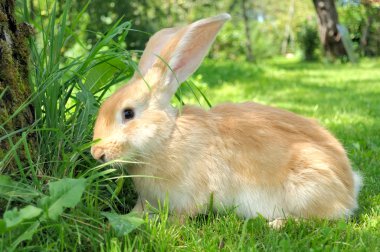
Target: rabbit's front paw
{"x":278,"y":223}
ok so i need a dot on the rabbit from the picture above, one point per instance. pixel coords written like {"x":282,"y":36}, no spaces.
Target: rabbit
{"x":256,"y":159}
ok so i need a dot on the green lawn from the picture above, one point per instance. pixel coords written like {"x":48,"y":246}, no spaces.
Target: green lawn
{"x":346,"y":100}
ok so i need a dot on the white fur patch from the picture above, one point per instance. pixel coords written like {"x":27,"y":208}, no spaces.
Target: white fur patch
{"x":358,"y":183}
{"x":143,"y":136}
{"x":252,"y":201}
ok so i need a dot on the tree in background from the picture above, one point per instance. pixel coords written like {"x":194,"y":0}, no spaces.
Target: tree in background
{"x":258,"y":29}
{"x":363,"y":22}
{"x":14,"y":86}
{"x":328,"y":32}
{"x":147,"y":16}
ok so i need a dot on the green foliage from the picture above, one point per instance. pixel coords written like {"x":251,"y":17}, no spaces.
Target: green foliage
{"x":148,"y":16}
{"x":63,"y":193}
{"x":308,"y":39}
{"x":68,"y":89}
{"x":11,"y":189}
{"x":363,"y":23}
{"x":230,"y":43}
{"x":267,"y":20}
{"x":66,"y":94}
{"x":123,"y":224}
{"x":14,"y":217}
{"x":25,"y":233}
{"x":19,"y":224}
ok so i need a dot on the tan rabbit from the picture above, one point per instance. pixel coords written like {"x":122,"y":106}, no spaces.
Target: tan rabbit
{"x":254,"y":158}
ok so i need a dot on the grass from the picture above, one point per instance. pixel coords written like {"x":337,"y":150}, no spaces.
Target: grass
{"x":344,"y":98}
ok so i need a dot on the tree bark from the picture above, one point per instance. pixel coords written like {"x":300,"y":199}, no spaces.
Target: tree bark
{"x":14,"y":86}
{"x":328,"y":32}
{"x":248,"y":43}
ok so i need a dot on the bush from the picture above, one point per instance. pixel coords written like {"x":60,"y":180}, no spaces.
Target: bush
{"x":230,"y":43}
{"x":308,"y":40}
{"x":363,"y":24}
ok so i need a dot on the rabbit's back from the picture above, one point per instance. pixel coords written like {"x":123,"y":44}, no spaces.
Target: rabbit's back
{"x":270,"y":139}
{"x":272,"y":161}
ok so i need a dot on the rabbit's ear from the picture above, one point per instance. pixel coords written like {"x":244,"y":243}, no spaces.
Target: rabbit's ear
{"x":190,"y":46}
{"x":177,"y":53}
{"x":153,"y":48}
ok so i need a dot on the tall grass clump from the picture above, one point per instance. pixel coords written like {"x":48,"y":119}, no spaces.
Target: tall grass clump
{"x":61,"y":175}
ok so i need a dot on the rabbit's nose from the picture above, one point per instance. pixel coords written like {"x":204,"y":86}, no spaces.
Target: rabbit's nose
{"x":98,"y":153}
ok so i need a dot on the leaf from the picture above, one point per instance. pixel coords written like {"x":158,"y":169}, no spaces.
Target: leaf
{"x":100,"y":74}
{"x":15,"y":217}
{"x":356,"y":145}
{"x":123,"y":224}
{"x":6,"y":184}
{"x":26,"y":235}
{"x":63,"y":194}
{"x":10,"y":188}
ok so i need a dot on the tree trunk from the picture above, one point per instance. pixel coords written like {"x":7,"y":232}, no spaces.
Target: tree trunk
{"x":328,"y":32}
{"x":14,"y":86}
{"x":248,"y":43}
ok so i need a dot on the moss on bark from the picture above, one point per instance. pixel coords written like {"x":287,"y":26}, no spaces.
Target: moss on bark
{"x":14,"y":86}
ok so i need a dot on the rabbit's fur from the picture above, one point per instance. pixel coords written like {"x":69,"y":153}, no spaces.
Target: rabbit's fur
{"x":254,"y":158}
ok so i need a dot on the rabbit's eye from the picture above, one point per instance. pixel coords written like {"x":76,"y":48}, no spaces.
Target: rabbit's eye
{"x":128,"y":114}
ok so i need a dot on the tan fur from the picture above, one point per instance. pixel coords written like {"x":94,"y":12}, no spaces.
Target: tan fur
{"x":258,"y":159}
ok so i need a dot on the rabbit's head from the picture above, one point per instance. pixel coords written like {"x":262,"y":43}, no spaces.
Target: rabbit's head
{"x":139,"y":118}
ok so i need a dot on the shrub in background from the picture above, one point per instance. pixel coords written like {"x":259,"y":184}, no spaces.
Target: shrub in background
{"x":363,"y":24}
{"x":230,"y":43}
{"x":308,"y":39}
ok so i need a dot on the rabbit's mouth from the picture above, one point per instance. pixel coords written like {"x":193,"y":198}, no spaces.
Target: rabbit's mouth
{"x":125,"y":156}
{"x":111,"y":151}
